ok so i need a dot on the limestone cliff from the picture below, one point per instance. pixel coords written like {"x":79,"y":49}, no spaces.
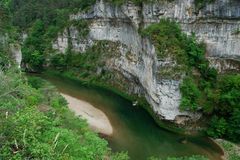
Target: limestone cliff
{"x":14,"y":49}
{"x":217,"y":25}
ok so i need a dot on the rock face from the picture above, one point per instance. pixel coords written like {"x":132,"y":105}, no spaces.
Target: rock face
{"x":14,"y":49}
{"x":217,"y":24}
{"x":16,"y":53}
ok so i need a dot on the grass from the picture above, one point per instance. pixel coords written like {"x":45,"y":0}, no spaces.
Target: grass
{"x":232,"y":151}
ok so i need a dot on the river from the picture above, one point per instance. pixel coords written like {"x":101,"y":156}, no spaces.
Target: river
{"x":134,"y":130}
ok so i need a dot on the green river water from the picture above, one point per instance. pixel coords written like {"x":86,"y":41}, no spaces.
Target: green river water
{"x":135,"y":130}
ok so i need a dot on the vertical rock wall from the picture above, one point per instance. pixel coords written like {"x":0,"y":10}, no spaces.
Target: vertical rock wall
{"x":216,"y":24}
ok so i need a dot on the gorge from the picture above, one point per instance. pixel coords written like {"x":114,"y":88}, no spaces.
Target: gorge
{"x":215,"y":24}
{"x":177,"y":59}
{"x":133,"y":129}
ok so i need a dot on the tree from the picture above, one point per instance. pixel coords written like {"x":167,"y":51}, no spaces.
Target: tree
{"x":234,"y":125}
{"x":33,"y":49}
{"x":191,"y":94}
{"x":218,"y":127}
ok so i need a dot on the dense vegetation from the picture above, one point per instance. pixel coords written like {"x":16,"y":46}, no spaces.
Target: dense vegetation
{"x":45,"y":19}
{"x":203,"y":90}
{"x":42,"y":20}
{"x":34,"y":119}
{"x":231,"y":149}
{"x":52,"y":12}
{"x":88,"y":66}
{"x":201,"y":3}
{"x":36,"y":124}
{"x":182,"y":158}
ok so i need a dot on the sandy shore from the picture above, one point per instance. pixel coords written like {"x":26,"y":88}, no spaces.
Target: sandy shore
{"x":96,"y":119}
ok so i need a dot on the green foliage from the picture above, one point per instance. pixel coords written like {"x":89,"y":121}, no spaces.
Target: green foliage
{"x":189,"y":55}
{"x":82,"y":27}
{"x":168,"y":39}
{"x":226,"y":107}
{"x":236,"y":32}
{"x":191,"y":94}
{"x":8,"y":33}
{"x":232,"y":150}
{"x":34,"y":60}
{"x":201,"y":3}
{"x":59,"y":61}
{"x":229,"y":88}
{"x":33,"y":49}
{"x":4,"y":60}
{"x":52,"y":32}
{"x":173,"y":44}
{"x":43,"y":20}
{"x":35,"y":82}
{"x":202,"y":88}
{"x":120,"y":156}
{"x":37,"y":136}
{"x":36,"y":124}
{"x":51,"y":12}
{"x":233,"y":125}
{"x":195,"y":157}
{"x":14,"y":92}
{"x":23,"y":138}
{"x":86,"y":66}
{"x":4,"y":17}
{"x":217,"y":128}
{"x":219,"y":95}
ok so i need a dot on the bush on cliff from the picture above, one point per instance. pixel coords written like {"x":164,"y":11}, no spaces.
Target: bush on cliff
{"x":217,"y":96}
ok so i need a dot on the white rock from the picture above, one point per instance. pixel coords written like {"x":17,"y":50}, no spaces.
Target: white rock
{"x":214,"y":25}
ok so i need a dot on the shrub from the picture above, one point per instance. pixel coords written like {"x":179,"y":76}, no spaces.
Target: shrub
{"x":202,"y":88}
{"x":218,"y":127}
{"x":191,"y":95}
{"x":201,"y":3}
{"x":35,"y":82}
{"x":59,"y":61}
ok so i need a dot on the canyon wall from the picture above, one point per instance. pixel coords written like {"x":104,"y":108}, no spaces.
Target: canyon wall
{"x":216,"y":24}
{"x":16,"y":53}
{"x":14,"y":49}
